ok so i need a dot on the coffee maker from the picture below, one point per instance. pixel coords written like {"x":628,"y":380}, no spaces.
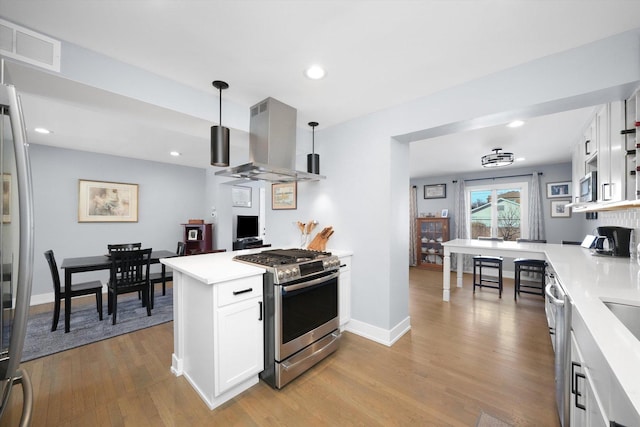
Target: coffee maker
{"x":613,"y":241}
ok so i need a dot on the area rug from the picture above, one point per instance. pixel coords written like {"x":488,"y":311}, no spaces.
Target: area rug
{"x":486,"y":420}
{"x":86,"y":328}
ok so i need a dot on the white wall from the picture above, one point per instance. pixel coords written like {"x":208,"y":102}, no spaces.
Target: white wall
{"x":168,"y":196}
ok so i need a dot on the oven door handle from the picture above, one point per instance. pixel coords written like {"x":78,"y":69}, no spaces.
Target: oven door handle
{"x":287,"y":365}
{"x":552,"y":298}
{"x":310,"y":282}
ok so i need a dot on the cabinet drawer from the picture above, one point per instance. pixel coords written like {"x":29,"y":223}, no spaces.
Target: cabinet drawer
{"x":239,"y":290}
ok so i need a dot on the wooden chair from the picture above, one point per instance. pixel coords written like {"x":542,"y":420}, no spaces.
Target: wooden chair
{"x":481,"y":262}
{"x":77,"y":289}
{"x":129,"y":273}
{"x":155,"y":278}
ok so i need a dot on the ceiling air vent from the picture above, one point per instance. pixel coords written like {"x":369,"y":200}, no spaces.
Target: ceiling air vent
{"x":25,"y":45}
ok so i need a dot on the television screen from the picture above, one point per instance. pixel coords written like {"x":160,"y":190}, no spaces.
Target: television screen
{"x":247,"y":227}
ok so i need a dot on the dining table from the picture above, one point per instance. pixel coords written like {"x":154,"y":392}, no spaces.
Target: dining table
{"x":97,"y":263}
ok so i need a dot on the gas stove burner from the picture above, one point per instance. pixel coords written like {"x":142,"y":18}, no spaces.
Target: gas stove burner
{"x":290,"y":264}
{"x":275,"y":257}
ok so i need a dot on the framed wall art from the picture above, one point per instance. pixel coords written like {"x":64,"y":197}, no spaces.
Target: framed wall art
{"x":558,"y":189}
{"x":284,"y":196}
{"x":103,"y":201}
{"x":435,"y":191}
{"x":241,"y":196}
{"x":559,"y":209}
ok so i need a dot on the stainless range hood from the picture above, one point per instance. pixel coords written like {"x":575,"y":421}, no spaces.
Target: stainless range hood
{"x":272,"y":146}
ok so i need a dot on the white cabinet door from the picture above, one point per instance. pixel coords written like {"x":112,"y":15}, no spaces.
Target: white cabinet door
{"x":585,"y":406}
{"x":344,"y":291}
{"x":238,"y":353}
{"x":617,"y":152}
{"x":604,"y":154}
{"x":577,"y":166}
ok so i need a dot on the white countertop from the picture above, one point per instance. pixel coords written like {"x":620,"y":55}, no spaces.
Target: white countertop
{"x":214,"y":268}
{"x":588,"y":280}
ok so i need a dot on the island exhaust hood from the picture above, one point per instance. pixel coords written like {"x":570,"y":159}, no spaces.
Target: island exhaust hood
{"x":272,"y":146}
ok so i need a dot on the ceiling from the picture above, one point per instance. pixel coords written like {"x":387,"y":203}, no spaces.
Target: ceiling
{"x":378,"y":54}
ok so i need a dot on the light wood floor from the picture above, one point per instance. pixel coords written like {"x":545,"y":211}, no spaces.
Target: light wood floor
{"x":476,"y":353}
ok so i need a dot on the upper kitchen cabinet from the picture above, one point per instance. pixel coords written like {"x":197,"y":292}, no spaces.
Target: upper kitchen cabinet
{"x":611,"y":153}
{"x":602,"y":149}
{"x":631,"y":120}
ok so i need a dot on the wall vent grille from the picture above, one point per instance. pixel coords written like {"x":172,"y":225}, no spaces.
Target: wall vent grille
{"x":28,"y":46}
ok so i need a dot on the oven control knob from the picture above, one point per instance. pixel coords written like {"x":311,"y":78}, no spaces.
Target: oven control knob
{"x":280,"y":274}
{"x":287,"y":273}
{"x":294,"y":271}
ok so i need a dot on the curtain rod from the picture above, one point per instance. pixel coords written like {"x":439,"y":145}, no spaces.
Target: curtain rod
{"x":497,"y":177}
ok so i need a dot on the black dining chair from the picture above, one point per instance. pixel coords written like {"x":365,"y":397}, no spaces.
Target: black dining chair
{"x":129,"y":273}
{"x":77,"y":289}
{"x":123,"y":247}
{"x":156,"y":277}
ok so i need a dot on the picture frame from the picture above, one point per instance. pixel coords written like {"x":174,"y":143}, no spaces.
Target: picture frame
{"x":6,"y":198}
{"x":444,"y":213}
{"x":284,"y":196}
{"x":435,"y":191}
{"x":559,"y":209}
{"x":106,"y":201}
{"x":192,"y":235}
{"x":558,"y":189}
{"x":241,"y":196}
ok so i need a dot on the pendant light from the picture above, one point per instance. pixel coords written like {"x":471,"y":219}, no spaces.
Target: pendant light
{"x":497,"y":159}
{"x":313,"y":159}
{"x":220,"y":134}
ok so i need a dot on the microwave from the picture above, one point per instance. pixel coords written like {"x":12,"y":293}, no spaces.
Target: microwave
{"x":589,"y":187}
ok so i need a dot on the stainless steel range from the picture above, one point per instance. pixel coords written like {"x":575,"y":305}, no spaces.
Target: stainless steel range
{"x":301,"y":310}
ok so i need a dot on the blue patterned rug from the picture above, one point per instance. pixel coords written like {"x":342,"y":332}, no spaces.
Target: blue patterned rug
{"x":86,"y":328}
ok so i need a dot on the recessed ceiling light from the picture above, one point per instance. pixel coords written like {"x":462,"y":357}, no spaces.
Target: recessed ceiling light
{"x":520,"y":159}
{"x":42,"y":130}
{"x":175,"y":153}
{"x":515,"y":124}
{"x":315,"y":72}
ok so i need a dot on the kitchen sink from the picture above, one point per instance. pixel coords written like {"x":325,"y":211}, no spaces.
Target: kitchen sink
{"x":628,"y":314}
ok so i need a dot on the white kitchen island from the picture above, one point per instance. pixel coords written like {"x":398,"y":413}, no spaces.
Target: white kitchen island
{"x":217,"y":324}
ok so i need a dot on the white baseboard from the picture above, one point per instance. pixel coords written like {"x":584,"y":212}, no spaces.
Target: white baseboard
{"x":374,"y":333}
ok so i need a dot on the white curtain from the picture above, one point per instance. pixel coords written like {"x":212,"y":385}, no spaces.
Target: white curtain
{"x":536,"y":215}
{"x":461,"y":218}
{"x":413,"y":214}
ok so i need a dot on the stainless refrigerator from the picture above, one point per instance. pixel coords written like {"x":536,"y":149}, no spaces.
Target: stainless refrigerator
{"x":16,"y":251}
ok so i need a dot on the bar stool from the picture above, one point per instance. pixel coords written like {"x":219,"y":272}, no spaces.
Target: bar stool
{"x":535,"y":266}
{"x":481,"y":262}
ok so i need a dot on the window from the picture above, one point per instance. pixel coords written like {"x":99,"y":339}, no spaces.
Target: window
{"x":498,"y":210}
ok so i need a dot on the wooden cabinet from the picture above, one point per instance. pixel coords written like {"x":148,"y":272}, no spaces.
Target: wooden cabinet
{"x":198,"y":238}
{"x":431,"y":233}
